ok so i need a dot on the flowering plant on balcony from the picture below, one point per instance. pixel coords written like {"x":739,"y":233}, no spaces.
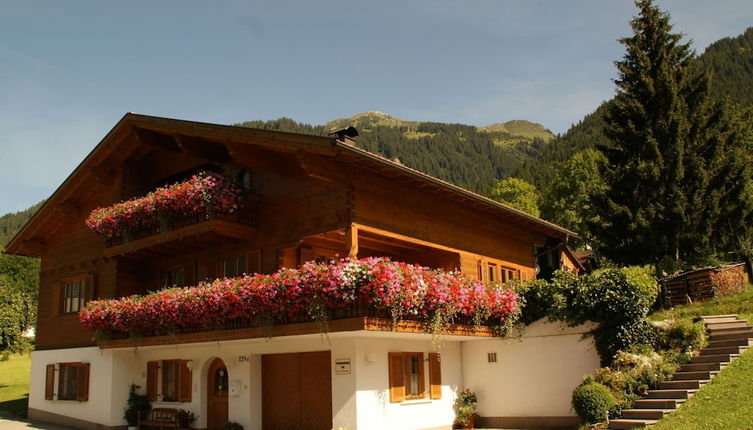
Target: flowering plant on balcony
{"x":375,"y":286}
{"x":203,"y":193}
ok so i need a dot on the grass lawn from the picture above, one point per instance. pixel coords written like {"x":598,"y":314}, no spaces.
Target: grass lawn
{"x":725,"y":403}
{"x":14,"y":383}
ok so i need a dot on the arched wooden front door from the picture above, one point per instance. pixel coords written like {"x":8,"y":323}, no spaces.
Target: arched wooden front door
{"x":217,"y":388}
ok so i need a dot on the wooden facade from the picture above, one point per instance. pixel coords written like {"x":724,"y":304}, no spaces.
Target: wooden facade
{"x":310,"y":197}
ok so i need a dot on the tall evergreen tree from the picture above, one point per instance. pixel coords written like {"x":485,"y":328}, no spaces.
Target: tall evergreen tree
{"x":666,"y":152}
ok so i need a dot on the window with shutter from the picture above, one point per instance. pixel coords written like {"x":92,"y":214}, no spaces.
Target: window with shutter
{"x":72,"y":381}
{"x":168,"y":381}
{"x":406,"y":372}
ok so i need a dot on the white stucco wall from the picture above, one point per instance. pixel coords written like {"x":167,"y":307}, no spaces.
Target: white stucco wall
{"x":534,"y":375}
{"x":376,"y":412}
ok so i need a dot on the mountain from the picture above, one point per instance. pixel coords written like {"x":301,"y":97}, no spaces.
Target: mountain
{"x":11,"y":223}
{"x":472,"y":157}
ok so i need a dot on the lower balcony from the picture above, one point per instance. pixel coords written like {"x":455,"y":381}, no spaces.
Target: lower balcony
{"x":176,"y":232}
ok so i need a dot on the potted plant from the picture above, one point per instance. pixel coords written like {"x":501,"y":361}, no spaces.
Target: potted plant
{"x":466,"y":406}
{"x":136,"y":404}
{"x":185,"y":418}
{"x":231,"y":426}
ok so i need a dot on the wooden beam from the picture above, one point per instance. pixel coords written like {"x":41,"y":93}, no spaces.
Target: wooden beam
{"x":202,"y":148}
{"x":156,"y":139}
{"x":351,"y":241}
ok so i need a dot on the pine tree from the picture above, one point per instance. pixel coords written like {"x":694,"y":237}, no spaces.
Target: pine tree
{"x":666,"y":151}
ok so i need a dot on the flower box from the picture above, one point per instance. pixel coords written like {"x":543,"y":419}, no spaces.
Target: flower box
{"x":206,"y":195}
{"x":314,"y":292}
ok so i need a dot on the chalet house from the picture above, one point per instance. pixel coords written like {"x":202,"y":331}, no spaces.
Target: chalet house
{"x":306,"y":198}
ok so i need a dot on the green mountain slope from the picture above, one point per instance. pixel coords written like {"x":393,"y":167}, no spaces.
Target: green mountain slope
{"x":472,"y":157}
{"x":11,"y":223}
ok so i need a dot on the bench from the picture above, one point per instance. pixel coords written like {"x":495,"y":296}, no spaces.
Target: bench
{"x":158,"y":418}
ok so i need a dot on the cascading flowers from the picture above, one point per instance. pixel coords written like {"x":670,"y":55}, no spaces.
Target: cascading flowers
{"x":203,"y":193}
{"x":395,"y":289}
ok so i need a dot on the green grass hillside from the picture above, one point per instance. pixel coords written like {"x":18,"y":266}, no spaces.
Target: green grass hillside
{"x":522,"y":128}
{"x":727,"y":402}
{"x":14,"y":383}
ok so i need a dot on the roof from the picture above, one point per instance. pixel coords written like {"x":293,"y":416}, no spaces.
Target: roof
{"x":719,"y":268}
{"x":340,"y":150}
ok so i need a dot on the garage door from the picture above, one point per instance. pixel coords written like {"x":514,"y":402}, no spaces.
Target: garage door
{"x":297,"y":391}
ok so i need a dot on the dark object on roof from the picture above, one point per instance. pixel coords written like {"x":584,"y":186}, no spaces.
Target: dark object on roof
{"x":703,"y":283}
{"x":349,"y":132}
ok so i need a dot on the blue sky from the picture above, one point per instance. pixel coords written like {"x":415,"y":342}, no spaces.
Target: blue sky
{"x":70,"y":70}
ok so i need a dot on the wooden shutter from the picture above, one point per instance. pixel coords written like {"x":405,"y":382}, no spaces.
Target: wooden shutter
{"x":82,"y":392}
{"x":253,"y":260}
{"x":397,"y":386}
{"x":89,"y":288}
{"x":435,"y":376}
{"x":305,"y":254}
{"x":185,"y":382}
{"x":151,"y":380}
{"x":49,"y":387}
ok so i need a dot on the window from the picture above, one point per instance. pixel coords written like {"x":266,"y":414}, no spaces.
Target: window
{"x":76,"y":292}
{"x":70,"y":379}
{"x":509,"y":274}
{"x":174,"y":278}
{"x":233,"y":267}
{"x":406,"y":376}
{"x":168,"y":381}
{"x":492,"y":272}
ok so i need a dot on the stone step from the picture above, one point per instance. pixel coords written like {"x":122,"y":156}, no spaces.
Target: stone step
{"x":629,"y":424}
{"x":646,"y":414}
{"x":695,"y":367}
{"x":670,"y":394}
{"x":730,"y":342}
{"x":734,"y":334}
{"x":726,"y":325}
{"x":698,"y":374}
{"x":713,"y":317}
{"x":718,"y":358}
{"x":691,"y":384}
{"x":657,"y":403}
{"x":730,"y":330}
{"x":723,"y":350}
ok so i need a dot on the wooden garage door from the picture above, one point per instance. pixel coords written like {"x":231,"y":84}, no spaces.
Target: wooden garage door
{"x":296,"y":391}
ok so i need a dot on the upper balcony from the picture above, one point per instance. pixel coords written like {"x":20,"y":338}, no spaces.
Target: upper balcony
{"x":194,"y":212}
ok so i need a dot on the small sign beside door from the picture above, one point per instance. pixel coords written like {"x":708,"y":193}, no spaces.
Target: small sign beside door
{"x":342,"y":366}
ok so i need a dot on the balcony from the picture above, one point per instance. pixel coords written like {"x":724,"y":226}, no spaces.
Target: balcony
{"x":175,"y":233}
{"x":206,"y":208}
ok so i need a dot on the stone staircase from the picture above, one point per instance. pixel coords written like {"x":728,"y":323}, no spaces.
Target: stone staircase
{"x":729,"y":337}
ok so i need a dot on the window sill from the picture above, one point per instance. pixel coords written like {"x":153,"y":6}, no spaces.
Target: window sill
{"x":414,"y":402}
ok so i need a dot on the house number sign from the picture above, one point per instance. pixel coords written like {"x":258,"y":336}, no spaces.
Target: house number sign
{"x":244,"y":358}
{"x":342,"y":366}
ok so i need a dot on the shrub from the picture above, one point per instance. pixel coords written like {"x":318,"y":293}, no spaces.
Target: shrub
{"x":592,"y":402}
{"x":680,"y":335}
{"x":231,"y":426}
{"x":609,"y":298}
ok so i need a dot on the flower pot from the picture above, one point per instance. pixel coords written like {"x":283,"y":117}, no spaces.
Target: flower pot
{"x":471,"y":422}
{"x":133,"y":427}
